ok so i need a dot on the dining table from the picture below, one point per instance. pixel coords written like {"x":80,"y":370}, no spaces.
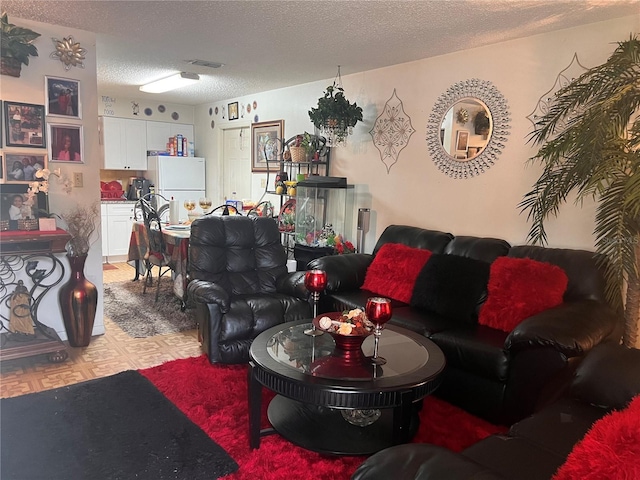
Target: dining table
{"x":176,"y":240}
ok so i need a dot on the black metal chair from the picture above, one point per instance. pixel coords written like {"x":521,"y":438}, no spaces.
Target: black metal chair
{"x":157,"y":255}
{"x":226,"y":209}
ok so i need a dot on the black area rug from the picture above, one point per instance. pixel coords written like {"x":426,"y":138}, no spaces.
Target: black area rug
{"x":119,"y":427}
{"x":139,"y":315}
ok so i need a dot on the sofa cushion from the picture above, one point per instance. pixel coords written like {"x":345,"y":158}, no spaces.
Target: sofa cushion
{"x":394,"y":269}
{"x":476,"y":349}
{"x":420,"y":321}
{"x":559,"y":426}
{"x":452,"y":286}
{"x":520,"y":288}
{"x":611,"y":449}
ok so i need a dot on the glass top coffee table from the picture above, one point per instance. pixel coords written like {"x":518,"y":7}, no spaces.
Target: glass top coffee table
{"x":315,"y":384}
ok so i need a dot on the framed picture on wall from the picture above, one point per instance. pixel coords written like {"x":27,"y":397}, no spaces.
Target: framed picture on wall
{"x":266,"y":141}
{"x":66,"y":143}
{"x":462,"y":140}
{"x":24,"y":125}
{"x":233,"y":111}
{"x":1,"y":168}
{"x":22,"y":167}
{"x":1,"y":131}
{"x":63,"y":97}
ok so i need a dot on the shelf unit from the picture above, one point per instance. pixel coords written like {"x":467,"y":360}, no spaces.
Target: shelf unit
{"x":292,"y":169}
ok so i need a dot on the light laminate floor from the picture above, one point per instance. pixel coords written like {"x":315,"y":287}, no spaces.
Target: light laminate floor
{"x":107,"y":354}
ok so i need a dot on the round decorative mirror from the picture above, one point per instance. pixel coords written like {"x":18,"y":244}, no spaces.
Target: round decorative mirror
{"x":468,"y":128}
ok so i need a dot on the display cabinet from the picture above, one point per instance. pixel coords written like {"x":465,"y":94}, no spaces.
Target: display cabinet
{"x":324,"y":218}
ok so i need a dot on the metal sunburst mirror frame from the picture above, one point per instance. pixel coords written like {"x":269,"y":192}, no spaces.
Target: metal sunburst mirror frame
{"x":487,"y":93}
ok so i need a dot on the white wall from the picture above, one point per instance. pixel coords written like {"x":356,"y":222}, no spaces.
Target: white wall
{"x":30,"y":88}
{"x":415,"y":192}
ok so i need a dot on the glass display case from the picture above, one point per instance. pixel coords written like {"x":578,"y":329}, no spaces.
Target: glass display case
{"x":324,"y":218}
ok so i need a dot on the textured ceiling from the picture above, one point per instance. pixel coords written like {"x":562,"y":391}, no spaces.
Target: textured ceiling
{"x":273,"y":44}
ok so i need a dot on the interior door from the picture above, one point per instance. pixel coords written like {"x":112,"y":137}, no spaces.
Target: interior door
{"x":236,"y":163}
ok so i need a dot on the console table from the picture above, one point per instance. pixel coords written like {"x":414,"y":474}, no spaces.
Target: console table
{"x":34,"y":252}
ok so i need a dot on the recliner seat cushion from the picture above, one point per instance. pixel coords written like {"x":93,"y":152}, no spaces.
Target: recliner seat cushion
{"x":394,"y":270}
{"x":520,"y":288}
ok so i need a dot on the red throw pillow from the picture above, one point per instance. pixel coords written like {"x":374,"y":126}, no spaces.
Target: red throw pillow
{"x":610,"y":449}
{"x":394,"y":270}
{"x":520,"y":288}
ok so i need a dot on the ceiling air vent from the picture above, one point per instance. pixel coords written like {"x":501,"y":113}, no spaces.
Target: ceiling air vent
{"x":205,"y":63}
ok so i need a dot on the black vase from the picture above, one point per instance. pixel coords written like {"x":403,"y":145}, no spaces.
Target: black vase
{"x":78,"y":300}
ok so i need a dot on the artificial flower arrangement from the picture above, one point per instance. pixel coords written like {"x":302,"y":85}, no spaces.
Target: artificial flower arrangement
{"x":352,"y":322}
{"x":80,"y":220}
{"x":327,"y":238}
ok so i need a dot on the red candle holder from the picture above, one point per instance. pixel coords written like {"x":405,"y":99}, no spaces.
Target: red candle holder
{"x":316,"y":282}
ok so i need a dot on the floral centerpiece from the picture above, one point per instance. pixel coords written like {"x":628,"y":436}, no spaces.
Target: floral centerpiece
{"x":351,"y":322}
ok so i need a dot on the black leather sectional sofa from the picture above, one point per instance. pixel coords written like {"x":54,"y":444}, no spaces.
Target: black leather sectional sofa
{"x":536,"y":447}
{"x":497,"y":375}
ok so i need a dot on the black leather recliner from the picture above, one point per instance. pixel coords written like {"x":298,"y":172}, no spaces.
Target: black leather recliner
{"x":493,"y":374}
{"x":240,"y":284}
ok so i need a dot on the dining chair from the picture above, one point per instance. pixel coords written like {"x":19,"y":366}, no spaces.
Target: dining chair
{"x":226,"y":210}
{"x":157,"y":255}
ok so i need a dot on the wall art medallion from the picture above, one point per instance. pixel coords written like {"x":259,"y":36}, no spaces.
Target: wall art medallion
{"x":391,"y":131}
{"x":69,"y":52}
{"x":564,"y":78}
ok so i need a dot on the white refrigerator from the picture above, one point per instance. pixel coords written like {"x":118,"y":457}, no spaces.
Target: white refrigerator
{"x":178,"y":178}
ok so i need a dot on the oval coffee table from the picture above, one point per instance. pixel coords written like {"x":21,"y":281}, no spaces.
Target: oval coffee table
{"x":314,"y":386}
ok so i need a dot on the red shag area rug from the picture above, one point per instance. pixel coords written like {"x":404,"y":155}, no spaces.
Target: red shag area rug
{"x":215,"y":398}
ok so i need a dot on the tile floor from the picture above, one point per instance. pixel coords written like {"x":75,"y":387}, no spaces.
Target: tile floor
{"x":107,"y":354}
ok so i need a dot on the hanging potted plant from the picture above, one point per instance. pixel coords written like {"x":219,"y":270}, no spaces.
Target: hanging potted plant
{"x":17,"y":46}
{"x":590,"y":144}
{"x":335,"y":116}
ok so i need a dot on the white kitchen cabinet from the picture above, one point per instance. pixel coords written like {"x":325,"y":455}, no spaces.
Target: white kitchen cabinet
{"x":117,"y":223}
{"x":158,"y":134}
{"x":124,"y":144}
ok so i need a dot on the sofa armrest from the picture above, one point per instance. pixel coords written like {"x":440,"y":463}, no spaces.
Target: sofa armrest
{"x":572,"y":328}
{"x":609,"y":376}
{"x":292,"y":284}
{"x":208,"y":292}
{"x":344,"y":272}
{"x":420,"y":461}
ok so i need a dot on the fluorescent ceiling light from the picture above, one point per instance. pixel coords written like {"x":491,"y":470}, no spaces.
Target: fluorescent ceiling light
{"x":170,"y":83}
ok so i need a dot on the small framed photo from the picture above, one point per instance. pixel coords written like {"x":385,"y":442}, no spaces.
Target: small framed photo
{"x":24,"y":125}
{"x":66,"y":143}
{"x":233,"y":111}
{"x":12,"y":198}
{"x":462,"y":140}
{"x":266,"y":141}
{"x":22,"y":167}
{"x":63,"y":97}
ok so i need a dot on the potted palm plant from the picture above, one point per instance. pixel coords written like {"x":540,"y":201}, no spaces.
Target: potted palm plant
{"x":16,"y":47}
{"x":589,"y":144}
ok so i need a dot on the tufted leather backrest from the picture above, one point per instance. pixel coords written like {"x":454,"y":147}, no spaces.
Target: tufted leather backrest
{"x":414,"y":237}
{"x":244,"y":255}
{"x":485,"y":249}
{"x":586,"y":276}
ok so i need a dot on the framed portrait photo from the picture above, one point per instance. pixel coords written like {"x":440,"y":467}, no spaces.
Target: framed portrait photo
{"x":233,"y":111}
{"x":266,"y":142}
{"x":24,"y":125}
{"x":65,"y":143}
{"x":15,"y":196}
{"x":63,"y":97}
{"x":22,"y":167}
{"x":462,"y":140}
